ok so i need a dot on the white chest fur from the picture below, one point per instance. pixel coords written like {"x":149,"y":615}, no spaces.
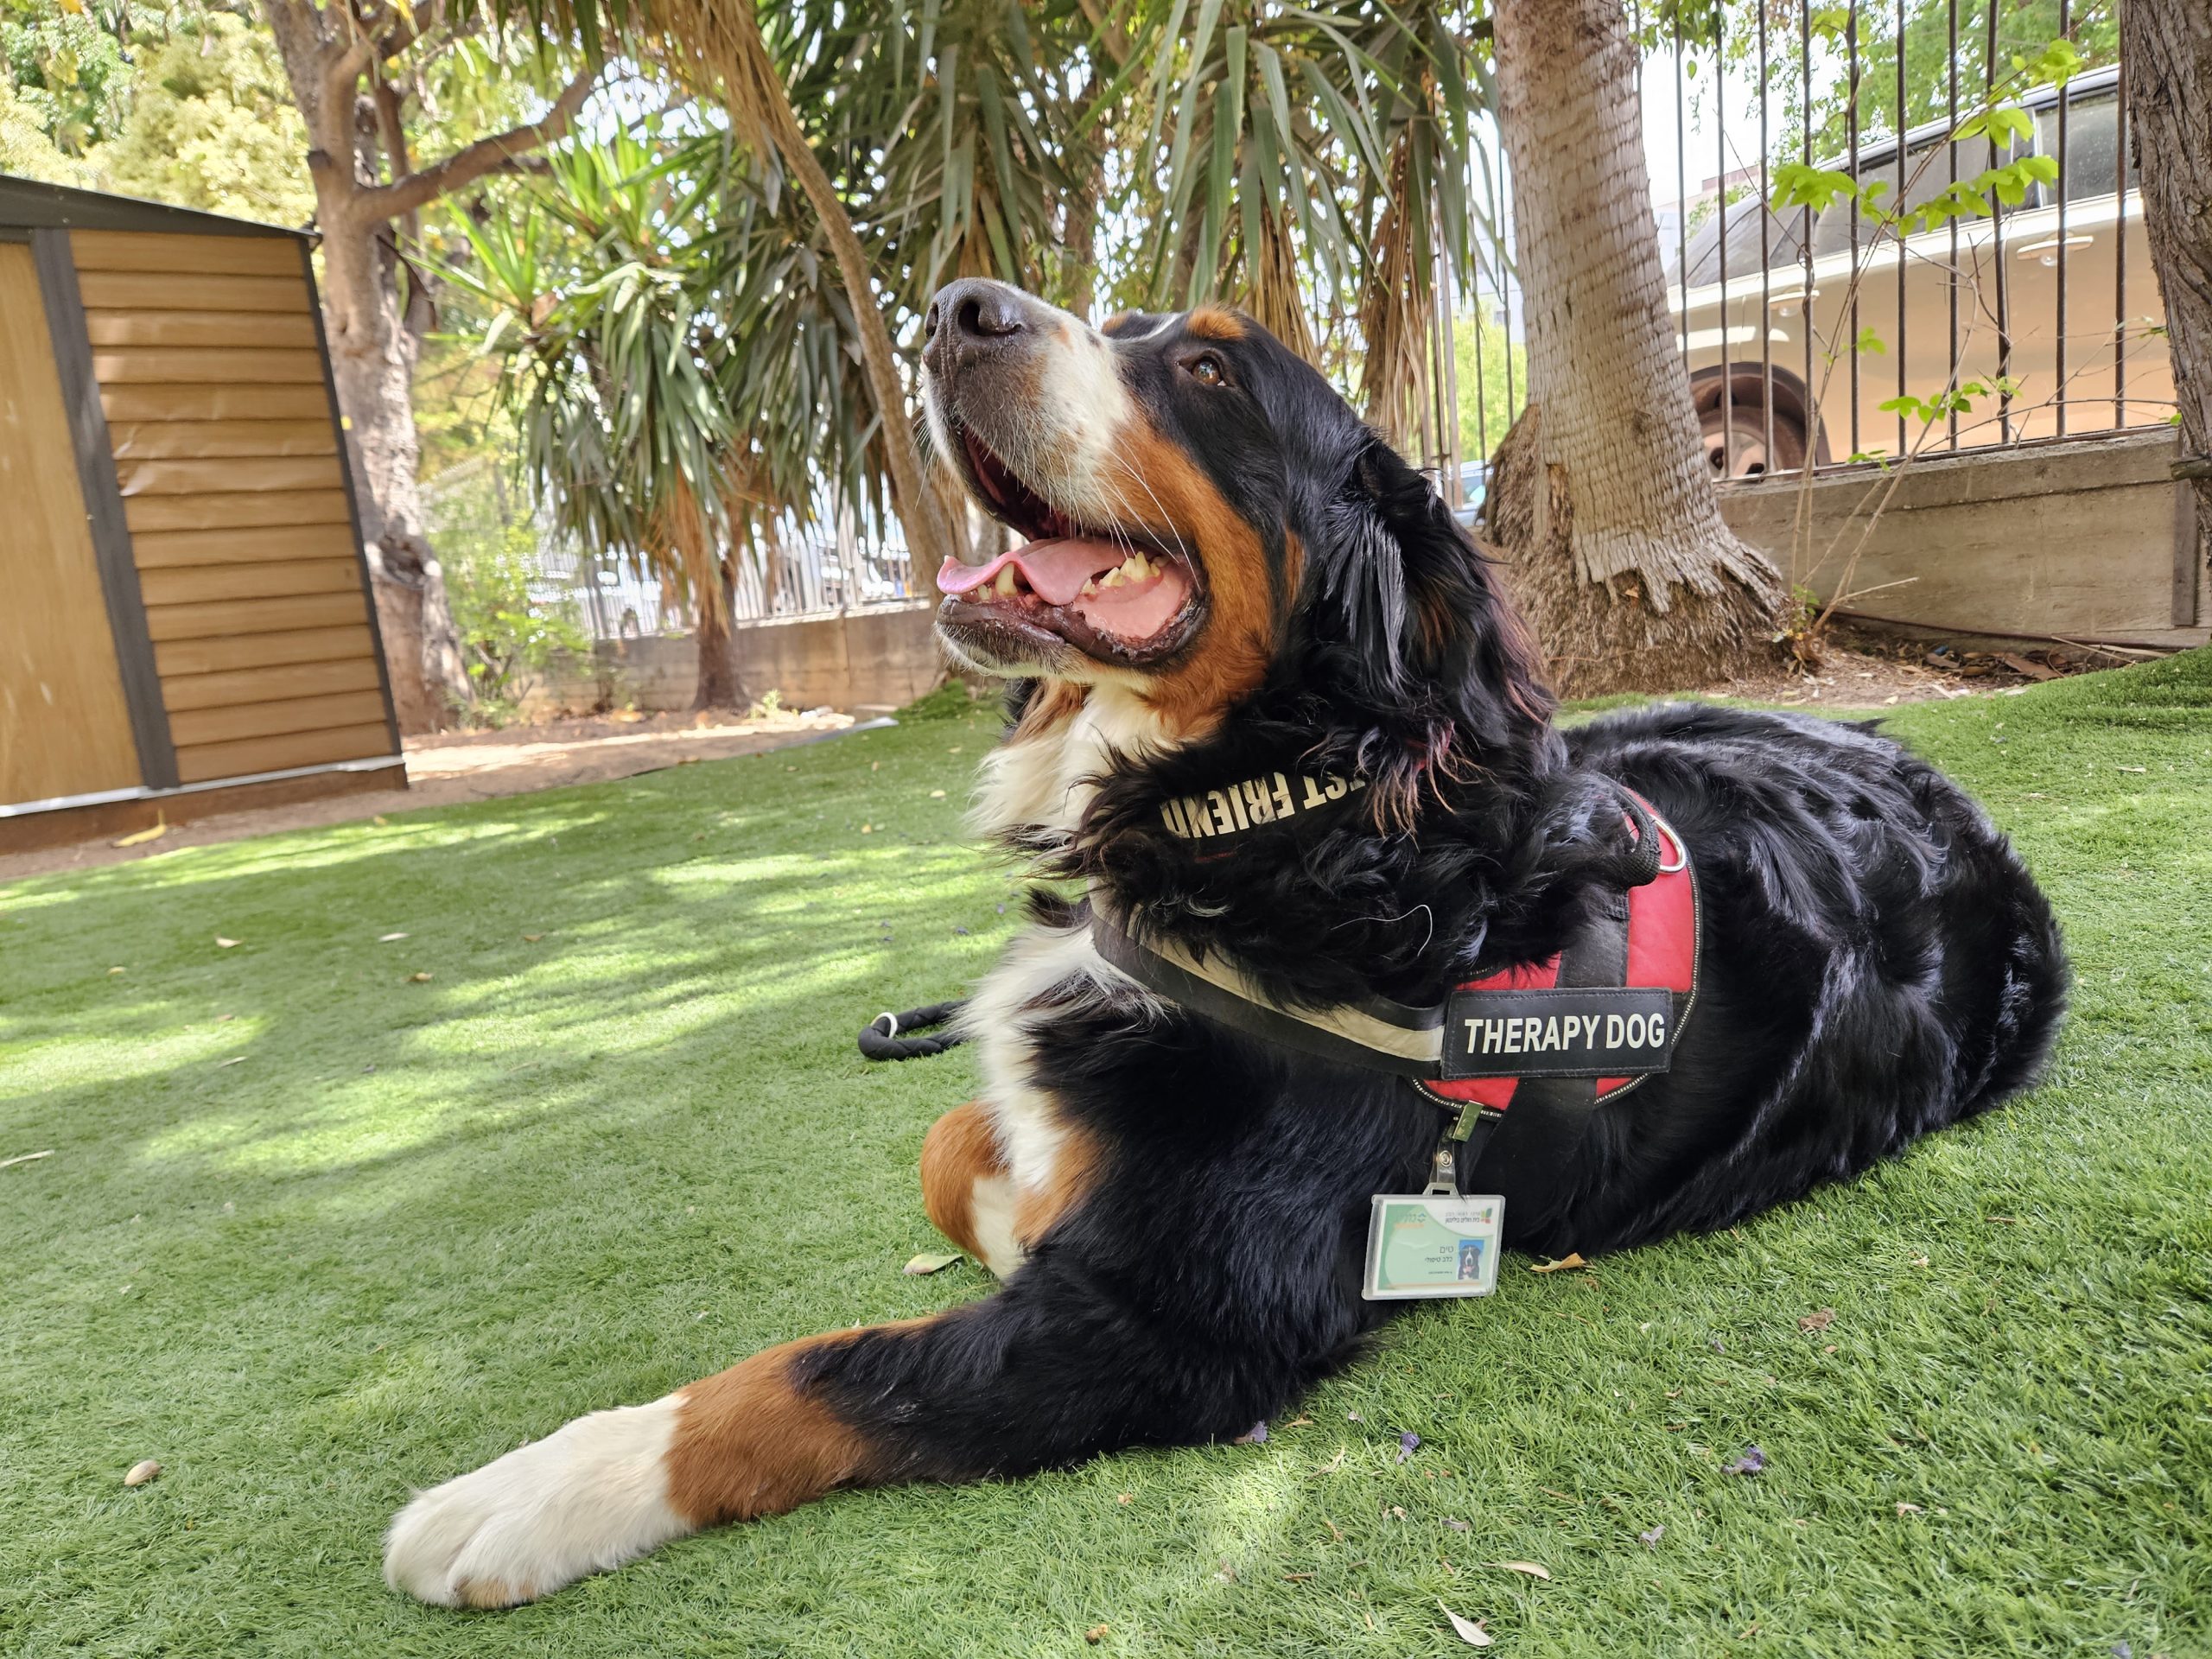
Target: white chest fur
{"x":1039,"y":785}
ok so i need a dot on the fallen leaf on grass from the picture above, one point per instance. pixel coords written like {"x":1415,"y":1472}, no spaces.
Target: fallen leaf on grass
{"x":142,"y":1471}
{"x":1751,"y":1463}
{"x":140,"y":839}
{"x":418,"y":979}
{"x":1650,"y":1540}
{"x":1299,"y":1422}
{"x":1097,"y":1634}
{"x":1124,"y":1499}
{"x":936,"y":794}
{"x":1256,"y":1435}
{"x":1471,"y":1630}
{"x":1572,"y":1259}
{"x":928,"y":1262}
{"x":222,"y":944}
{"x":531,"y":938}
{"x":1456,"y":1524}
{"x":1905,"y":1509}
{"x":1533,"y":1569}
{"x":867,"y":828}
{"x":386,"y":938}
{"x":1408,"y":1443}
{"x":1818,"y":1320}
{"x":235,"y":1059}
{"x":25,"y":1158}
{"x":2131,"y":768}
{"x":115,"y":970}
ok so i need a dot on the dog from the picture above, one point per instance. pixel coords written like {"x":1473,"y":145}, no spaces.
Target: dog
{"x":1272,"y":709}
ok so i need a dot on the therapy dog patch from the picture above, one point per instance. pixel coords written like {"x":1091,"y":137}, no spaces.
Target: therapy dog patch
{"x":1598,"y":1032}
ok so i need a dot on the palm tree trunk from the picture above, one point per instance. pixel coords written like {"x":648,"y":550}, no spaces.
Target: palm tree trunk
{"x":2168,"y":46}
{"x":718,"y":686}
{"x":721,"y":43}
{"x":1602,"y":505}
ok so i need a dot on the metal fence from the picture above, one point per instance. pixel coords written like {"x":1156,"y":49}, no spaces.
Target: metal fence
{"x":846,"y":561}
{"x":1826,"y":337}
{"x":843,"y":559}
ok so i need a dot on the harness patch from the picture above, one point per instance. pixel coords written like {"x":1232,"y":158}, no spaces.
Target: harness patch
{"x":1598,"y":1032}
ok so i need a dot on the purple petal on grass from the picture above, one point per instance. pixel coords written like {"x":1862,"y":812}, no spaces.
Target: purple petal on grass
{"x":1408,"y":1443}
{"x":1751,"y":1463}
{"x":1256,"y":1435}
{"x":1651,"y":1539}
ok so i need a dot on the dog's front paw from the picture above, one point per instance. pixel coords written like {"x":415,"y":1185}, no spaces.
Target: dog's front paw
{"x":590,"y":1497}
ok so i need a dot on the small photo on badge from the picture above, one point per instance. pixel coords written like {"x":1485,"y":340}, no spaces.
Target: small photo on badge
{"x":1471,"y":1258}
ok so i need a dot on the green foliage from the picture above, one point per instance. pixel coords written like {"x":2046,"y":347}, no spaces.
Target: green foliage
{"x":211,"y":124}
{"x":514,"y":633}
{"x":68,"y":65}
{"x":1951,"y":400}
{"x":1486,"y":409}
{"x":187,"y":106}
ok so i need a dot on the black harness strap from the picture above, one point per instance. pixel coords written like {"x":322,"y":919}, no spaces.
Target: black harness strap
{"x":1526,"y":1156}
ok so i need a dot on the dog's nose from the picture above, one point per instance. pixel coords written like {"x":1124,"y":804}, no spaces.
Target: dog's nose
{"x":971,"y":319}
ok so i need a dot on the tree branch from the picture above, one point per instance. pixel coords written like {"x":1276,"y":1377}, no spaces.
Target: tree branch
{"x":467,"y":165}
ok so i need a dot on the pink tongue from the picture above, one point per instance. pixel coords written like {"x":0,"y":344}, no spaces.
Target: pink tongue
{"x":1055,"y":570}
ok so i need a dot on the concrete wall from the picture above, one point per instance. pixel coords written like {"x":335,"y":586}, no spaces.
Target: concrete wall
{"x":879,"y":657}
{"x":2082,"y":540}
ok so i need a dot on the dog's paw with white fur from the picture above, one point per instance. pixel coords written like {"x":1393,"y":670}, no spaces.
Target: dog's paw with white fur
{"x":590,"y":1496}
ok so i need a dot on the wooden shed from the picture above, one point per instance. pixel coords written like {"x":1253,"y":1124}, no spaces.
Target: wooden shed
{"x":185,"y":621}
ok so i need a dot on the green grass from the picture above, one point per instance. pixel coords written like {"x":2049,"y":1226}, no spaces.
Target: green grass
{"x":314,"y":1233}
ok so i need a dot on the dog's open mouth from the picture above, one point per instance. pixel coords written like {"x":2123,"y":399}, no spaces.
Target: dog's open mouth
{"x":1114,"y":593}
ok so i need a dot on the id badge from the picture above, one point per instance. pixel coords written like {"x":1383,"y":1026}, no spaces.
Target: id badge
{"x":1432,"y":1244}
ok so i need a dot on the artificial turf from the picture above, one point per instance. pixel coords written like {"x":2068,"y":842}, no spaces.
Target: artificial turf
{"x":317,"y":1229}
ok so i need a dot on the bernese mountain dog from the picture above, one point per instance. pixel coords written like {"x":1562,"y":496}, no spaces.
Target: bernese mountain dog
{"x":1273,"y":716}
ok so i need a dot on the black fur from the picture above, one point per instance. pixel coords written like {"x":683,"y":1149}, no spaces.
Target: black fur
{"x":1877,"y":963}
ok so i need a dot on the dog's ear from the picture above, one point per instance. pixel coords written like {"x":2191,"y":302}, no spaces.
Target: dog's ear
{"x":1411,"y":625}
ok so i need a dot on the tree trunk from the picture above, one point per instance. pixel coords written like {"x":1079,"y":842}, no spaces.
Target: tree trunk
{"x":718,"y":682}
{"x":374,"y":339}
{"x":372,"y":356}
{"x":1601,"y":503}
{"x":2167,"y":46}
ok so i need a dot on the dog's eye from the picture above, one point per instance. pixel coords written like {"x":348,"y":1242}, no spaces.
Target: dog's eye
{"x":1207,"y":370}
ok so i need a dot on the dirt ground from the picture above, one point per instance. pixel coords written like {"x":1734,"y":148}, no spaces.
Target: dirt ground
{"x":481,"y":766}
{"x":455,"y":767}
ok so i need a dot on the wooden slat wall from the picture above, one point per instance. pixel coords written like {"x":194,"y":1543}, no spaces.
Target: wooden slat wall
{"x":64,"y":728}
{"x":204,"y":347}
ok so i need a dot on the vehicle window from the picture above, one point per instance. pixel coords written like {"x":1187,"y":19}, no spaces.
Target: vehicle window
{"x":1930,"y":169}
{"x":1784,"y":240}
{"x":2091,"y":149}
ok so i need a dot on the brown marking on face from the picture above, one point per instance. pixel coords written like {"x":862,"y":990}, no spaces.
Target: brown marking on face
{"x":1214,"y":322}
{"x":1076,"y":1166}
{"x":1181,"y":506}
{"x":748,"y":1443}
{"x":960,"y":1150}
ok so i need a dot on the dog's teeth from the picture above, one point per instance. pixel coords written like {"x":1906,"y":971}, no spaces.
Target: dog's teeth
{"x":1090,"y":587}
{"x":1005,"y":585}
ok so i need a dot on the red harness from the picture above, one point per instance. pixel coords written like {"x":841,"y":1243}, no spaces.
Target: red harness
{"x":1663,"y":952}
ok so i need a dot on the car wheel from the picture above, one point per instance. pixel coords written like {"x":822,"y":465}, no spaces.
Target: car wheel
{"x":1736,"y":441}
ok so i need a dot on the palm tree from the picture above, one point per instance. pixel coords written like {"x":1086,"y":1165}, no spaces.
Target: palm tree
{"x":1289,"y":158}
{"x":611,"y":362}
{"x":1600,"y":496}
